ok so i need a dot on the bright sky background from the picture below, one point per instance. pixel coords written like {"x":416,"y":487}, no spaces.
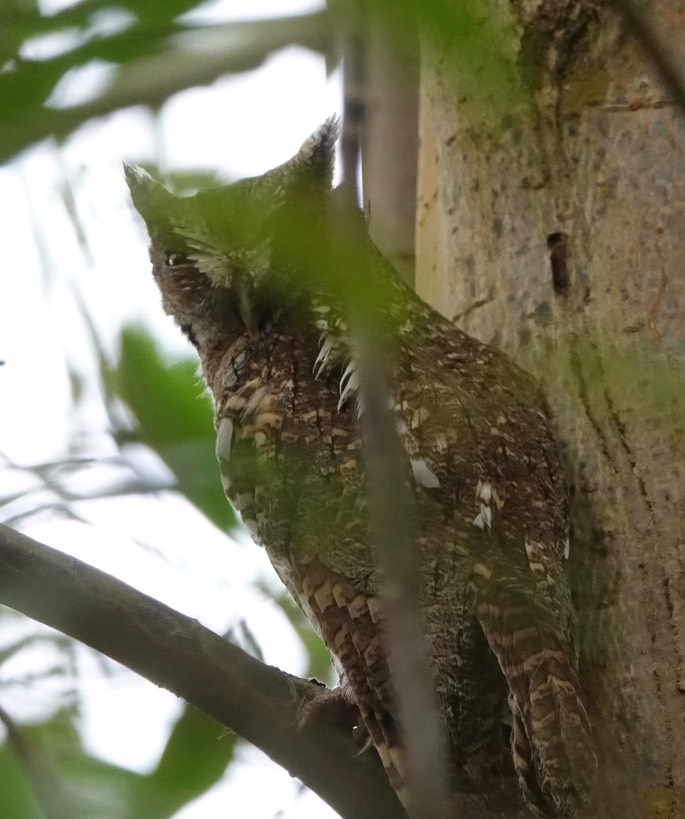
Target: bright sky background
{"x":240,"y":126}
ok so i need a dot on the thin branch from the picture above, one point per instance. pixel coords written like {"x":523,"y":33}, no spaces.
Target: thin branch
{"x":390,"y":503}
{"x":640,"y":24}
{"x":257,"y":701}
{"x":394,"y":529}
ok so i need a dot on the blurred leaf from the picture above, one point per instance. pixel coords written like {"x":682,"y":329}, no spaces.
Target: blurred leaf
{"x":17,"y":796}
{"x":86,"y":787}
{"x":241,"y":634}
{"x":51,"y":639}
{"x":155,"y":57}
{"x":175,"y":420}
{"x":195,"y":757}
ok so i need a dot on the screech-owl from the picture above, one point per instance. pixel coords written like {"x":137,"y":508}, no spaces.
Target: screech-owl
{"x":237,"y":269}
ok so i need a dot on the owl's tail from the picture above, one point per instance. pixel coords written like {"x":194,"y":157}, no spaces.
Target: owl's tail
{"x":348,"y":621}
{"x":551,"y":740}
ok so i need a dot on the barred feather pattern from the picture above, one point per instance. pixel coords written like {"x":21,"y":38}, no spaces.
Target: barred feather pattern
{"x":489,"y":493}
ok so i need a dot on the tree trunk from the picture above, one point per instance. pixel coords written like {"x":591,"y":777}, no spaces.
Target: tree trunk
{"x":550,"y":223}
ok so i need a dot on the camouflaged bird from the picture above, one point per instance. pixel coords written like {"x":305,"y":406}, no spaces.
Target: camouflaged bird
{"x":237,"y":269}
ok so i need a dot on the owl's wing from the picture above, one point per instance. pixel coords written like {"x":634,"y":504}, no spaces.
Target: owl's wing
{"x":491,"y":466}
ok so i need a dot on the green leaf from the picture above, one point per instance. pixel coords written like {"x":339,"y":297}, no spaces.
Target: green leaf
{"x":52,"y":770}
{"x":175,"y":420}
{"x":17,"y":795}
{"x":155,"y":56}
{"x":195,"y":757}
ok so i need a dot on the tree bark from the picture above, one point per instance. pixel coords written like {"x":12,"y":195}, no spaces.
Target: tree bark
{"x":550,"y":223}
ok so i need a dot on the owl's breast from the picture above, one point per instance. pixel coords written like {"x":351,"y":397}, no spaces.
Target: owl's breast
{"x":290,"y":453}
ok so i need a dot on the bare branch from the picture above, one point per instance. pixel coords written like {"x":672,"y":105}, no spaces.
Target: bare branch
{"x":390,"y":502}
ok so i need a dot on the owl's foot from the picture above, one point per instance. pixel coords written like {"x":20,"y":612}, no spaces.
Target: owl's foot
{"x":330,"y":705}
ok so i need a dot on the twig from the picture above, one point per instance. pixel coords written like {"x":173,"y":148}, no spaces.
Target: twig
{"x":390,"y":503}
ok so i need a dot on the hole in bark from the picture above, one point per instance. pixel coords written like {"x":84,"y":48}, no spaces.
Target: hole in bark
{"x":557,"y":243}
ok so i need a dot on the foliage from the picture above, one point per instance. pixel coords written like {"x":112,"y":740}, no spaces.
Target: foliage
{"x":150,"y":50}
{"x":147,"y":52}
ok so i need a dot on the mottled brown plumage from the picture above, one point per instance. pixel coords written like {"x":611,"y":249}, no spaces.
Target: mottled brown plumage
{"x":237,"y":268}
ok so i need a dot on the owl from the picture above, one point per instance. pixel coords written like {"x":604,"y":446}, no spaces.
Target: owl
{"x":242,"y":269}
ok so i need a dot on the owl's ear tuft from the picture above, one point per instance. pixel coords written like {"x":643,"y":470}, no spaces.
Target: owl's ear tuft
{"x":148,"y":194}
{"x":152,"y":201}
{"x":135,"y":175}
{"x":316,"y":157}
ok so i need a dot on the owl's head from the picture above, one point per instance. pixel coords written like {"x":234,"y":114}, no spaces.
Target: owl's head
{"x":227,"y":254}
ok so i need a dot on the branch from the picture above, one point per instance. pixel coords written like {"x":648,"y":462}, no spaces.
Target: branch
{"x":257,"y":701}
{"x":390,"y":503}
{"x":196,"y":57}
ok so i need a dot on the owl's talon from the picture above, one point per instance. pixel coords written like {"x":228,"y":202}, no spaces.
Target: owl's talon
{"x":362,"y":737}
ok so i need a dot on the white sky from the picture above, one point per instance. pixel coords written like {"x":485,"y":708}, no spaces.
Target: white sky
{"x":240,"y":126}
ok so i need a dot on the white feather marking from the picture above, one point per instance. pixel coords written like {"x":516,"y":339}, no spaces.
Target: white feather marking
{"x":137,"y":176}
{"x":419,"y":416}
{"x":484,"y":518}
{"x":224,"y":439}
{"x":244,"y":499}
{"x":484,"y":491}
{"x":424,"y":474}
{"x":323,"y":356}
{"x":441,"y":443}
{"x":481,"y":570}
{"x":534,"y":551}
{"x":236,"y":402}
{"x":567,"y":548}
{"x":349,"y":383}
{"x":255,"y":400}
{"x":487,"y":513}
{"x":349,"y":372}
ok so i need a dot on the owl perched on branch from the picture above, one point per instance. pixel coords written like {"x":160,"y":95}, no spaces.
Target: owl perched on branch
{"x":243,"y":271}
